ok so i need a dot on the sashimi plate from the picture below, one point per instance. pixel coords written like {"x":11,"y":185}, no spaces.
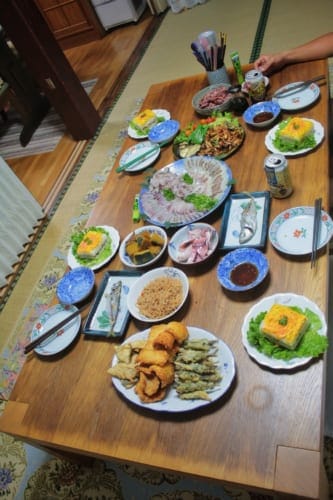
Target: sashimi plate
{"x":165,"y":201}
{"x":287,"y":299}
{"x":292,"y":230}
{"x":318,"y":136}
{"x":172,"y":402}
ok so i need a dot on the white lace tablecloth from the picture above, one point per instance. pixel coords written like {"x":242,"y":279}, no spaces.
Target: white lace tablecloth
{"x":19,"y":215}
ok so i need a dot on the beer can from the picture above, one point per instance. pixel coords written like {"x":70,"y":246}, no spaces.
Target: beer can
{"x":278,"y":175}
{"x":255,"y":85}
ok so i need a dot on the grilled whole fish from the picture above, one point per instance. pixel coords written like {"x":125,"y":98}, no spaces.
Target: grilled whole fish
{"x":114,"y":301}
{"x":248,"y":221}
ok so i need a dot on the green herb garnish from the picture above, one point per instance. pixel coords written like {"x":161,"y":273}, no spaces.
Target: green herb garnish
{"x":168,"y":194}
{"x":187,"y":178}
{"x":201,"y":202}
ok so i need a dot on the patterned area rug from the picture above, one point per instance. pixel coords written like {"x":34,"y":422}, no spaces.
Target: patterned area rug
{"x":45,"y":137}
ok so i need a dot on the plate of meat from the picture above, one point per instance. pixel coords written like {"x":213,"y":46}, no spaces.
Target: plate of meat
{"x":193,"y":244}
{"x":212,"y":98}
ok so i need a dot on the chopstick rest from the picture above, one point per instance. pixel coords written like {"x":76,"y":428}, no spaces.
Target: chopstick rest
{"x":29,"y":347}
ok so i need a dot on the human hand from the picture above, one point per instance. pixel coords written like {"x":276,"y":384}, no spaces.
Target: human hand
{"x":268,"y":63}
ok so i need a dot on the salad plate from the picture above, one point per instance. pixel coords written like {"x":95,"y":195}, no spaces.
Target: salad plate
{"x":63,"y":337}
{"x":162,"y":114}
{"x":318,"y":135}
{"x":287,"y":299}
{"x":137,"y":151}
{"x":112,"y":244}
{"x":172,"y":403}
{"x":291,"y":231}
{"x":298,"y":99}
{"x":185,"y":191}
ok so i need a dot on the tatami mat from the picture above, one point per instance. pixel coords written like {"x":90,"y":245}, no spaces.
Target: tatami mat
{"x":291,"y":23}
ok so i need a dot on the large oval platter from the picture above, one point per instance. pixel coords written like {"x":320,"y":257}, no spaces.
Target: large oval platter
{"x":208,"y":176}
{"x":172,"y":403}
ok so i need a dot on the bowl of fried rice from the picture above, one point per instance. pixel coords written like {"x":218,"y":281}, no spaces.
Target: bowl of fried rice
{"x":158,"y":294}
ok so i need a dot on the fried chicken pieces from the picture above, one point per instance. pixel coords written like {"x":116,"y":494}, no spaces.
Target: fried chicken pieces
{"x":154,"y":363}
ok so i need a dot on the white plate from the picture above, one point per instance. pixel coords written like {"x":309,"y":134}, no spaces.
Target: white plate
{"x":172,"y":403}
{"x":144,"y":280}
{"x":298,"y":100}
{"x":291,"y":231}
{"x":318,"y":135}
{"x":287,"y":299}
{"x":62,"y":338}
{"x":137,"y":150}
{"x":115,"y":240}
{"x":161,"y":113}
{"x":125,"y":258}
{"x":183,"y":235}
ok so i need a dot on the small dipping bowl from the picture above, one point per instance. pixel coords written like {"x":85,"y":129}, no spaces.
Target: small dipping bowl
{"x":242,"y":269}
{"x":164,"y":131}
{"x":262,"y":114}
{"x":76,"y":285}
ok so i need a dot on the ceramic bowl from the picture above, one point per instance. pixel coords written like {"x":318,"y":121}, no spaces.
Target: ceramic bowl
{"x":252,"y":262}
{"x":193,"y":244}
{"x":164,"y":131}
{"x":76,"y":285}
{"x":258,"y":111}
{"x":202,"y":93}
{"x":145,"y":280}
{"x":148,"y":257}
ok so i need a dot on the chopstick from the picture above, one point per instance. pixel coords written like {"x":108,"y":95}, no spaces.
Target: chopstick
{"x":316,"y":231}
{"x":137,"y":159}
{"x":54,"y":329}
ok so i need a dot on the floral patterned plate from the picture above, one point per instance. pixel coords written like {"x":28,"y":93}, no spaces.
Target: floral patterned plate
{"x":291,"y":231}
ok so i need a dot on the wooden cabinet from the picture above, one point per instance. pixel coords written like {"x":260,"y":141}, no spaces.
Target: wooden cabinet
{"x":72,"y":22}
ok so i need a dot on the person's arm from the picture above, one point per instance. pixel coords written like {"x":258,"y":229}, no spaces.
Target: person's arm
{"x":319,"y":48}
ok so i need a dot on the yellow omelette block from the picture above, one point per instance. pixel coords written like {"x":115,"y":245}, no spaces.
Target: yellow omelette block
{"x":145,"y":118}
{"x":297,"y":129}
{"x":91,"y":244}
{"x":284,"y":326}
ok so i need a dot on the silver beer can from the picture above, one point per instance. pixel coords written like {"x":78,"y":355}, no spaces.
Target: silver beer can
{"x":278,"y":175}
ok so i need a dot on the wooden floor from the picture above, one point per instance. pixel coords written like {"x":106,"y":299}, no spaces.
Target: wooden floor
{"x":110,"y":60}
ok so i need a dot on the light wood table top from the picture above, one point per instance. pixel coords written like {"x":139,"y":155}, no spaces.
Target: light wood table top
{"x":266,"y":432}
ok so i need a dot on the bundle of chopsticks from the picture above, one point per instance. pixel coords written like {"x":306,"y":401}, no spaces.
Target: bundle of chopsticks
{"x":209,"y":51}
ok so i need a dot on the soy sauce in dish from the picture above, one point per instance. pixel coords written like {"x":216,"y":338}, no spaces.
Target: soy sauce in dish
{"x":244,"y":274}
{"x":263,"y":116}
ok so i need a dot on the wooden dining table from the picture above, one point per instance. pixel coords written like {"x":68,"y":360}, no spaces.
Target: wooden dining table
{"x":266,"y":432}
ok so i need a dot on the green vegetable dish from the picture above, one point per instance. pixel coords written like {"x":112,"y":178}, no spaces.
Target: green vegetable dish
{"x":311,"y":345}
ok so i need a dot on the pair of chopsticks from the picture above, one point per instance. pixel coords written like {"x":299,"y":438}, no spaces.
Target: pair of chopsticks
{"x":141,"y":157}
{"x":297,"y":87}
{"x":316,"y":231}
{"x":29,"y":347}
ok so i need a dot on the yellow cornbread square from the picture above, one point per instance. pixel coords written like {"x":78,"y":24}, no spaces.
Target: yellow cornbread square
{"x":284,"y":326}
{"x":297,"y":129}
{"x":91,"y":244}
{"x":145,"y":117}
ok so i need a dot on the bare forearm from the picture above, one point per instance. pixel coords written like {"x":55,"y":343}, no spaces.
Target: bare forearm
{"x":319,"y":48}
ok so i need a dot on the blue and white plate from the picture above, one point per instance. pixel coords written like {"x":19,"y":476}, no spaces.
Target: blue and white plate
{"x":164,"y":131}
{"x":76,"y":285}
{"x":237,"y":257}
{"x":60,"y":339}
{"x":136,"y":151}
{"x":172,"y":402}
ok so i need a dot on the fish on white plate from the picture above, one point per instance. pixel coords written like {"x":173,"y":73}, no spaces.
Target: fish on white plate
{"x":114,"y":302}
{"x":248,"y":221}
